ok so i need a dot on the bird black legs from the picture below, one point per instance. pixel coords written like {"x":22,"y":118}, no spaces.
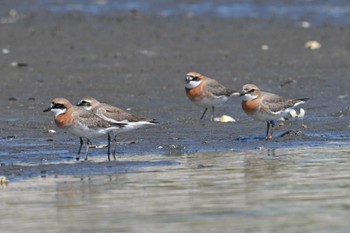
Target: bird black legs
{"x":205,"y":111}
{"x":115,"y":147}
{"x":269,"y":129}
{"x":109,"y":147}
{"x":81,"y":144}
{"x":212,"y":113}
{"x":88,"y":145}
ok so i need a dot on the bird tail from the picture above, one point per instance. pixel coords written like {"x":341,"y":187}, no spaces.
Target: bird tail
{"x":303,"y":99}
{"x":153,"y":121}
{"x":120,"y":124}
{"x":296,"y":102}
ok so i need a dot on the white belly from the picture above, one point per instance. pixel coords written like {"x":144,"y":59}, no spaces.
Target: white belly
{"x":131,"y":126}
{"x":211,"y":101}
{"x":268,"y":116}
{"x":85,"y":132}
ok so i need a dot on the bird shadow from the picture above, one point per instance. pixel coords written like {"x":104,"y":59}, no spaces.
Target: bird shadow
{"x":289,"y":133}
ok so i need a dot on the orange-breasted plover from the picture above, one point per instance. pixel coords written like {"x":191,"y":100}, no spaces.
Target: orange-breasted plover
{"x":265,"y":106}
{"x":114,"y":115}
{"x":80,"y":122}
{"x":206,"y":92}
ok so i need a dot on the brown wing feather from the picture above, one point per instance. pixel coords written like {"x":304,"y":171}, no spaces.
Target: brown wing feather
{"x":216,"y":88}
{"x":118,"y":114}
{"x":91,"y":120}
{"x":277,"y":103}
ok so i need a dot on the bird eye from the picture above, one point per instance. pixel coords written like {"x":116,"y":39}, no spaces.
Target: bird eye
{"x":58,"y":106}
{"x":83,"y":103}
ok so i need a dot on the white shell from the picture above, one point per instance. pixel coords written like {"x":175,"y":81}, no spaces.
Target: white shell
{"x":224,"y":119}
{"x":294,"y":114}
{"x":312,"y":44}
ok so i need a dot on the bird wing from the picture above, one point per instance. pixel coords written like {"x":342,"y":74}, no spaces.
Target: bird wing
{"x":91,"y":120}
{"x":117,"y":114}
{"x":213,"y":86}
{"x":277,"y":103}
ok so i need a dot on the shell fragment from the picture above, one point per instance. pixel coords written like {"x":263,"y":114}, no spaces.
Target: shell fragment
{"x":294,"y":114}
{"x":224,"y":119}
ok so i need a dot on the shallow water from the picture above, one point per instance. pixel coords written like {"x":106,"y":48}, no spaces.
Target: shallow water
{"x":320,"y":11}
{"x":275,"y":190}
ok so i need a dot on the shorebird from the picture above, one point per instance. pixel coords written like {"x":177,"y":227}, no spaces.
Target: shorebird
{"x":265,"y":106}
{"x":80,"y":122}
{"x":206,"y":92}
{"x":114,"y":115}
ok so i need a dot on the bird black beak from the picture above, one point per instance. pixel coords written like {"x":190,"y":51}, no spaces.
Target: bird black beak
{"x":83,"y":104}
{"x":242,"y":93}
{"x":188,"y":79}
{"x":48,"y":109}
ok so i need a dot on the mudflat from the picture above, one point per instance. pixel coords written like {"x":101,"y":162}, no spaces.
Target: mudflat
{"x":138,"y":62}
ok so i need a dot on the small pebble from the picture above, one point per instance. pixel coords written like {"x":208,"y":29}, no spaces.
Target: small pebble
{"x":305,"y":24}
{"x":19,"y":64}
{"x":343,"y":96}
{"x":288,"y":82}
{"x":292,"y":133}
{"x":13,"y":13}
{"x":265,"y":47}
{"x":5,"y":51}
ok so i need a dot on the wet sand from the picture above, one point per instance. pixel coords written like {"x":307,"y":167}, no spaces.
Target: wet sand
{"x":138,"y":62}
